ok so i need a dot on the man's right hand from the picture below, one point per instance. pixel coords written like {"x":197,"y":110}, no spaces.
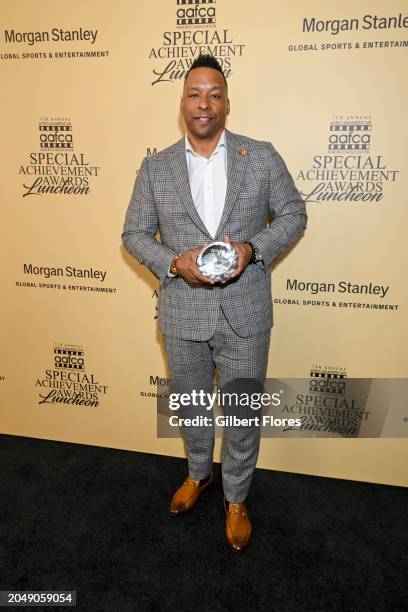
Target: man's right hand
{"x":186,"y":266}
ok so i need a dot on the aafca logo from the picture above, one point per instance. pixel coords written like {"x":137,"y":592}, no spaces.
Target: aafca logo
{"x":67,"y":382}
{"x":55,"y":135}
{"x":194,"y":32}
{"x":328,"y":380}
{"x":55,"y":168}
{"x":350,"y":134}
{"x":69,"y":358}
{"x":192,"y":13}
{"x":351,"y":170}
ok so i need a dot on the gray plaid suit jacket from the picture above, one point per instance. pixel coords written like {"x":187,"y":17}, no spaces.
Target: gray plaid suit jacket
{"x":262,"y":205}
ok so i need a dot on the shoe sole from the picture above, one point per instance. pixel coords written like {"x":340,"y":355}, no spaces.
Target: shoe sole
{"x":237,"y":551}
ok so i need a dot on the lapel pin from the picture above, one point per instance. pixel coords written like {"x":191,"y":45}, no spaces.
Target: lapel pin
{"x":242,"y":152}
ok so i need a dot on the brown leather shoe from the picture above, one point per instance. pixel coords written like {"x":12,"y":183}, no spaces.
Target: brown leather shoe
{"x":187,"y":495}
{"x":238,"y":527}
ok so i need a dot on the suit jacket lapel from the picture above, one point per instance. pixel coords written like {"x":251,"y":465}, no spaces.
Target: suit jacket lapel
{"x":178,"y":165}
{"x":236,"y":164}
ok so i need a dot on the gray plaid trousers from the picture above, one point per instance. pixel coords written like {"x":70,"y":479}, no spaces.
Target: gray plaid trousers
{"x":192,"y":366}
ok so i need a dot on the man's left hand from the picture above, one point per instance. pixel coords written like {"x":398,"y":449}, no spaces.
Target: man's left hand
{"x":244,"y":254}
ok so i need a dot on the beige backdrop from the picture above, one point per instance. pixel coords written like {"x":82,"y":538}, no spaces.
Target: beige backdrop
{"x":90,"y":69}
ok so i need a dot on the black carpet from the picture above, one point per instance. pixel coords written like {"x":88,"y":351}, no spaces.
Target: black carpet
{"x":95,"y":520}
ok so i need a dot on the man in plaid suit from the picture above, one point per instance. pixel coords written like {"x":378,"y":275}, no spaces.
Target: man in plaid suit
{"x":214,"y":185}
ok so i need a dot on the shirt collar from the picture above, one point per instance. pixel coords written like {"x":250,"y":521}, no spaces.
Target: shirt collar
{"x":221,"y":143}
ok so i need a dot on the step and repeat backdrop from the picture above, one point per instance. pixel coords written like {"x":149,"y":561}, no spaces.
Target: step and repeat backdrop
{"x":90,"y":89}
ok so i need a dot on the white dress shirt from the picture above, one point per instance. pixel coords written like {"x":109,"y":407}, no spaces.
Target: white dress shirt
{"x":208,"y":182}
